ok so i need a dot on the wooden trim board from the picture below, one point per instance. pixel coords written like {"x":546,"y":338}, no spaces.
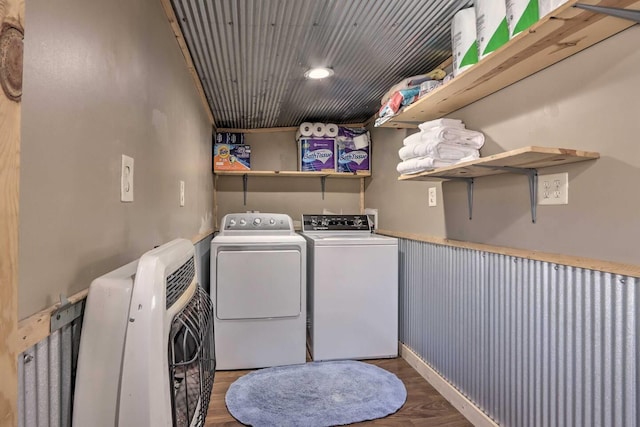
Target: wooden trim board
{"x":177,"y":32}
{"x":459,"y":401}
{"x":36,"y":327}
{"x":330,"y":173}
{"x":283,"y":129}
{"x":573,"y":261}
{"x":11,"y":57}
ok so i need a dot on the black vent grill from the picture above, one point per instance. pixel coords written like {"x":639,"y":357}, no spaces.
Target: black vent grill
{"x":179,"y":281}
{"x":192,"y":361}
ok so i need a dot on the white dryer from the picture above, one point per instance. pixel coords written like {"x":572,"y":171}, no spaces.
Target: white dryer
{"x":352,"y":288}
{"x":258,"y":289}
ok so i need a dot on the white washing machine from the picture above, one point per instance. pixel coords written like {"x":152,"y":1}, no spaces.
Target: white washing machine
{"x":258,"y":289}
{"x":352,"y":289}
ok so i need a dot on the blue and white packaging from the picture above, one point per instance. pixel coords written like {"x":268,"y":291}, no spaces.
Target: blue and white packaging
{"x":316,"y":154}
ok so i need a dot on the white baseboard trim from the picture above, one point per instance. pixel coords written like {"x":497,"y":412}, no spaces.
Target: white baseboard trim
{"x":459,"y":401}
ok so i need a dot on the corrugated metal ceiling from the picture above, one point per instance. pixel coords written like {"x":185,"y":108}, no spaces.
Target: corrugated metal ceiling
{"x":251,"y":55}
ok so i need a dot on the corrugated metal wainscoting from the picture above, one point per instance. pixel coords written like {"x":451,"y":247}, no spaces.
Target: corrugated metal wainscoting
{"x":46,"y":375}
{"x":531,"y":343}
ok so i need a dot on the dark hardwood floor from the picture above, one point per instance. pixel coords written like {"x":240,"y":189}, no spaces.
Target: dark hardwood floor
{"x":424,"y":407}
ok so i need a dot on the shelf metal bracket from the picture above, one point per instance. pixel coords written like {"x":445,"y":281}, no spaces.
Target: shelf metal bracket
{"x":245,"y":179}
{"x":532,"y":175}
{"x":323,"y":181}
{"x":631,"y":15}
{"x":469,"y":182}
{"x":66,"y":313}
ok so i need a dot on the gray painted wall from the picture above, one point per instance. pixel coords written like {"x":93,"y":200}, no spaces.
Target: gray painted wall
{"x":588,"y":102}
{"x":102,"y":79}
{"x":292,"y":196}
{"x":402,"y":205}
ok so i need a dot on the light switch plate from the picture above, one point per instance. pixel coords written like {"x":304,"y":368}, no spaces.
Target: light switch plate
{"x":126,"y":179}
{"x":433,"y":201}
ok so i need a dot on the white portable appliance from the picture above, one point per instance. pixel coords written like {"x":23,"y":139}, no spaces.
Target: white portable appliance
{"x":146,"y":351}
{"x":352,"y":288}
{"x":258,"y":289}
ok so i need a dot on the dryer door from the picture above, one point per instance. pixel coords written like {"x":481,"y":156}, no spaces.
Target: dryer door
{"x":256,"y":284}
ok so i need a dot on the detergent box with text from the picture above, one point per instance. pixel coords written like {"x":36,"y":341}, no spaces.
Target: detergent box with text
{"x":231,"y":157}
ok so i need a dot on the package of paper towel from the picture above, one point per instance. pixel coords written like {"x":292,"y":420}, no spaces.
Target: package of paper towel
{"x":439,"y":143}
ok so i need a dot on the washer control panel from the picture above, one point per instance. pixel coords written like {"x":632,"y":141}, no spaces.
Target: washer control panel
{"x":257,"y":221}
{"x":322,"y":222}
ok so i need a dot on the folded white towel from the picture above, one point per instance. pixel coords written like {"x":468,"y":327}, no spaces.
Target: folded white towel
{"x":470,"y":138}
{"x":443,"y":150}
{"x":413,"y":139}
{"x":421,"y":164}
{"x":441,"y":123}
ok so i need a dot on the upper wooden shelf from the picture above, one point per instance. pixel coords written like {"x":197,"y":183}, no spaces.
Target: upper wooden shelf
{"x":560,"y":34}
{"x":523,"y":158}
{"x":299,"y":174}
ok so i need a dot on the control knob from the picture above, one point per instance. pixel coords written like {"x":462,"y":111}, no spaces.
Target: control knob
{"x":232,"y":222}
{"x":357,"y":222}
{"x":257,"y":221}
{"x":243,"y":222}
{"x":272,"y":221}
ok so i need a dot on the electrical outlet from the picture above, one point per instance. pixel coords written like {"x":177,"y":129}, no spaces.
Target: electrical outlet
{"x":126,"y":179}
{"x":553,"y":189}
{"x":433,"y":201}
{"x":181,"y":193}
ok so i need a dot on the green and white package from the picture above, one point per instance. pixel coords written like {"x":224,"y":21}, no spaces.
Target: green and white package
{"x":463,"y":40}
{"x":491,"y":25}
{"x":521,"y":14}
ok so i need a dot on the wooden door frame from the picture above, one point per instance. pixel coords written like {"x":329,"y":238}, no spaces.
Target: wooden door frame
{"x":11,"y":31}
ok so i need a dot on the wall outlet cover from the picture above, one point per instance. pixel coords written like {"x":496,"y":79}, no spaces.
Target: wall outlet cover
{"x":433,"y":201}
{"x":553,"y":189}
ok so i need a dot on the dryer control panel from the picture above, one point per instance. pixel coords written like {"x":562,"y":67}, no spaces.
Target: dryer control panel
{"x":256,"y":222}
{"x":320,"y":222}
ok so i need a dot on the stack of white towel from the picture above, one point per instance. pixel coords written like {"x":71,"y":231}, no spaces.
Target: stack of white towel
{"x":441,"y":142}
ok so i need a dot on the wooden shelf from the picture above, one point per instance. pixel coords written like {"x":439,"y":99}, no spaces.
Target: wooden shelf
{"x":298,"y":174}
{"x":525,"y":161}
{"x":522,"y":158}
{"x":565,"y":31}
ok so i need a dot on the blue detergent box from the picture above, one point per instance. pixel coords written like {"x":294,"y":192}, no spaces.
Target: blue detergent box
{"x":316,"y":154}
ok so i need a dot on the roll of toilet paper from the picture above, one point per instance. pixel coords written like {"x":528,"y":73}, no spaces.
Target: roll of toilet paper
{"x":521,"y":14}
{"x":491,"y":25}
{"x":331,"y":130}
{"x":463,"y":40}
{"x":318,"y":130}
{"x":306,"y":129}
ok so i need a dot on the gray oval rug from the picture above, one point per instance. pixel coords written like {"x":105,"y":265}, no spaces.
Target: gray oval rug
{"x":315,"y":394}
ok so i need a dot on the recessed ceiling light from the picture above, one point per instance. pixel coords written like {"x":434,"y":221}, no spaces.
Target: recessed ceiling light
{"x":319,"y":73}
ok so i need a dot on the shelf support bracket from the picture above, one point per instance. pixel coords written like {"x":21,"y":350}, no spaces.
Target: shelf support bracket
{"x":245,"y":179}
{"x":323,"y":181}
{"x":631,"y":15}
{"x":469,"y":182}
{"x":532,"y":175}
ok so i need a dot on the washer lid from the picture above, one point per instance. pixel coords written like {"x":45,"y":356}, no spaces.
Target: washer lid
{"x":329,"y":239}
